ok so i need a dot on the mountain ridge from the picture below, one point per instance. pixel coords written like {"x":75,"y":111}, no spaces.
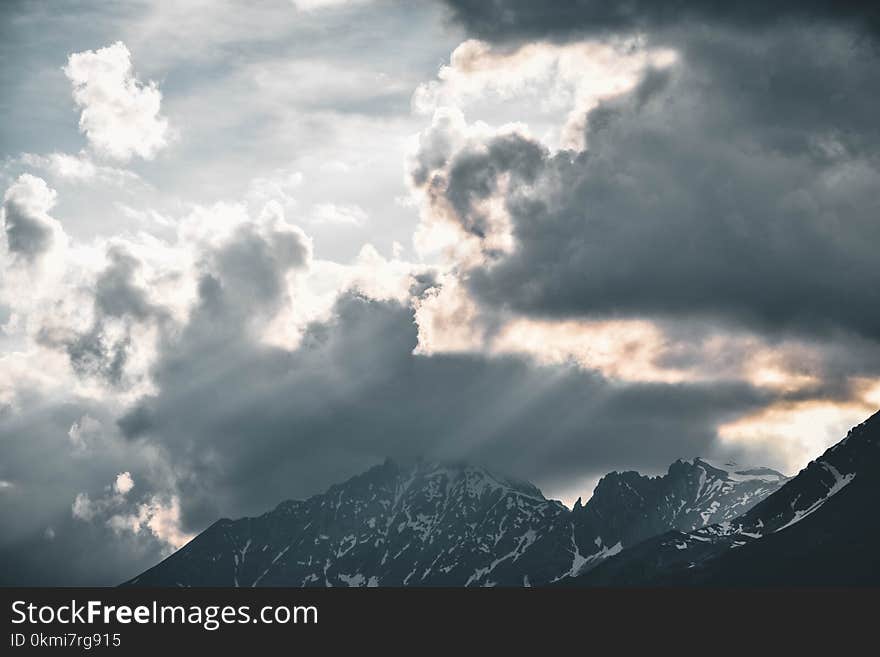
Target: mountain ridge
{"x":452,"y":524}
{"x":823,"y":519}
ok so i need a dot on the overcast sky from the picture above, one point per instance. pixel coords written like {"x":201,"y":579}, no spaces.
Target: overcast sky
{"x":250,"y":249}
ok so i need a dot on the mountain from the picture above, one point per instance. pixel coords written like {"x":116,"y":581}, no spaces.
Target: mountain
{"x":455,"y":525}
{"x":820,"y":528}
{"x":627,"y":508}
{"x":426,"y":525}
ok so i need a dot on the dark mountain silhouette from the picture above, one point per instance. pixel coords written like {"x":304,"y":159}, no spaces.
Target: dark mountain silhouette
{"x":456,"y":525}
{"x":820,"y":529}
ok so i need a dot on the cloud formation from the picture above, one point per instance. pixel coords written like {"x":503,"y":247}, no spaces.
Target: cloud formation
{"x":641,"y":233}
{"x":565,"y":80}
{"x":124,"y":483}
{"x":120,"y":306}
{"x":286,"y":423}
{"x":706,"y":191}
{"x":30,"y":231}
{"x":120,"y":115}
{"x":519,"y":19}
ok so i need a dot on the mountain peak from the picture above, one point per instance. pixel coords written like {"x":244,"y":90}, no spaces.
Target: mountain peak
{"x":702,"y":462}
{"x":728,"y":470}
{"x":459,"y":524}
{"x":818,"y":528}
{"x":447,"y":523}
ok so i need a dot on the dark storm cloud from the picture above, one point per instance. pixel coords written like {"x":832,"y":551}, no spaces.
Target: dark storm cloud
{"x":740,"y":183}
{"x":473,"y":175}
{"x":521,"y":19}
{"x":76,"y":553}
{"x":242,"y":283}
{"x":249,"y":425}
{"x":45,"y":471}
{"x":717,"y":187}
{"x":237,"y":425}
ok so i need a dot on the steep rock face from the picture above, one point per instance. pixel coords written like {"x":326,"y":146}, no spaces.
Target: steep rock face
{"x":455,"y":525}
{"x":628,"y":508}
{"x":426,"y":526}
{"x":820,"y":528}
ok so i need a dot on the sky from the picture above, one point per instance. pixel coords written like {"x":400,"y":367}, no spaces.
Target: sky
{"x":251,"y":249}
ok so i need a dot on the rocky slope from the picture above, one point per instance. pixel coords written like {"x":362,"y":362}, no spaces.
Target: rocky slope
{"x":820,"y":528}
{"x":455,"y":525}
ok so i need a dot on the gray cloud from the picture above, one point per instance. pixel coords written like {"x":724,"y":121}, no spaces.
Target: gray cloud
{"x":26,"y":233}
{"x":242,"y":281}
{"x":46,"y":471}
{"x":238,"y":425}
{"x":253,"y":424}
{"x":116,"y":293}
{"x":116,"y":296}
{"x":739,"y":184}
{"x":519,"y":19}
{"x":30,"y":231}
{"x":246,"y":277}
{"x":54,"y":450}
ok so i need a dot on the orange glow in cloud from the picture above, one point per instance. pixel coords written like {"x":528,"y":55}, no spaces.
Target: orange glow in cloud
{"x":786,"y":434}
{"x":800,"y":431}
{"x":626,"y":350}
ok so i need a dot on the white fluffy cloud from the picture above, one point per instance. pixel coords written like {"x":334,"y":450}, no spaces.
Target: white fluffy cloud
{"x":120,"y":114}
{"x":161,"y":518}
{"x":556,"y":84}
{"x":124,"y":483}
{"x":154,"y":515}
